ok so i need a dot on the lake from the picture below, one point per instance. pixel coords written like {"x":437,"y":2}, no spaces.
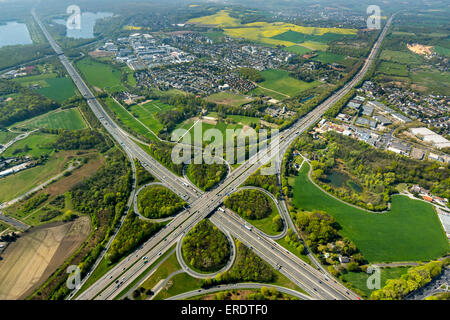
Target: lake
{"x":14,"y":33}
{"x":88,"y":20}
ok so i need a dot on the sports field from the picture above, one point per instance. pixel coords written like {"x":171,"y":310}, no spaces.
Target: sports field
{"x":410,"y":231}
{"x":69,"y":119}
{"x":101,"y":75}
{"x":279,"y":85}
{"x":229,"y":98}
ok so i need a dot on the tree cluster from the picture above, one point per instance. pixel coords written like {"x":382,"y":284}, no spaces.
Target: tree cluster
{"x":251,"y":204}
{"x":157,"y":202}
{"x":206,"y":176}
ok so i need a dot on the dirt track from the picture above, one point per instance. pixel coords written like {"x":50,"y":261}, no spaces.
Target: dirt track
{"x":29,"y":261}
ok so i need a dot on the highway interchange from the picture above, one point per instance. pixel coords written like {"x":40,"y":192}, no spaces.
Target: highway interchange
{"x":315,"y":282}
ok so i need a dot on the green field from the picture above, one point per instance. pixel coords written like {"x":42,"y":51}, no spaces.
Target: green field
{"x":15,"y":185}
{"x":359,"y":279}
{"x":229,"y":98}
{"x":128,"y":119}
{"x":394,"y":69}
{"x":51,"y":86}
{"x":407,"y":58}
{"x":329,"y":57}
{"x":69,"y":119}
{"x":221,"y":126}
{"x":411,"y":231}
{"x":297,"y":37}
{"x":442,"y":51}
{"x":58,"y":89}
{"x":283,"y":85}
{"x":434,"y":81}
{"x":298,"y":49}
{"x":38,"y":143}
{"x":147,"y":114}
{"x":101,"y":75}
{"x":6,"y":136}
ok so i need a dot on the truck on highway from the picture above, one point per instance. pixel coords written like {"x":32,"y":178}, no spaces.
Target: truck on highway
{"x":247,"y":227}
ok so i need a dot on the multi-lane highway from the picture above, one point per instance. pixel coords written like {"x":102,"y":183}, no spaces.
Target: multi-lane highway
{"x":201,"y":205}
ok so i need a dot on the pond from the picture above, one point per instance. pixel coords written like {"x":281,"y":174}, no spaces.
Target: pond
{"x":88,"y":20}
{"x":14,"y":33}
{"x":339,"y":179}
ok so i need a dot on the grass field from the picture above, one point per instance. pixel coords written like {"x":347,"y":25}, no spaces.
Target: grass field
{"x":69,"y":119}
{"x":394,"y":69}
{"x":147,"y":114}
{"x":6,"y":136}
{"x":128,"y":119}
{"x":442,"y":51}
{"x":221,"y":126}
{"x":411,"y":231}
{"x":329,"y":57}
{"x":283,"y":85}
{"x":359,"y":279}
{"x":433,"y":81}
{"x":38,"y":143}
{"x":298,"y":49}
{"x":51,"y":86}
{"x":101,"y":75}
{"x":229,"y":98}
{"x":406,"y":58}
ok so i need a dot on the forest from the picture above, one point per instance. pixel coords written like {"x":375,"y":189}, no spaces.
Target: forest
{"x":377,"y":172}
{"x":248,"y":267}
{"x":206,"y":176}
{"x":266,"y":182}
{"x":251,"y":204}
{"x":133,"y":233}
{"x":142,"y":175}
{"x":156,"y":202}
{"x":102,"y":196}
{"x":22,"y":104}
{"x":163,"y":153}
{"x":206,"y":248}
{"x":80,"y":140}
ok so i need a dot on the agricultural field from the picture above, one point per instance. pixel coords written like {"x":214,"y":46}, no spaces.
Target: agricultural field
{"x":69,"y":119}
{"x":101,"y":75}
{"x":274,"y":34}
{"x":410,"y":231}
{"x":51,"y":86}
{"x":230,"y":99}
{"x":29,"y":261}
{"x":279,"y":85}
{"x":298,"y":49}
{"x":431,"y":81}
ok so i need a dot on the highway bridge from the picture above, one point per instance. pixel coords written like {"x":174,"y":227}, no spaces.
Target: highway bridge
{"x":202,"y":205}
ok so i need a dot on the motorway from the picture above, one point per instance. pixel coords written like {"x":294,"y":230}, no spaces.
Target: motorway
{"x":202,"y":205}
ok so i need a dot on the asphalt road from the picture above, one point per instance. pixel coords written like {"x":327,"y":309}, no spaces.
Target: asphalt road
{"x":203,"y":205}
